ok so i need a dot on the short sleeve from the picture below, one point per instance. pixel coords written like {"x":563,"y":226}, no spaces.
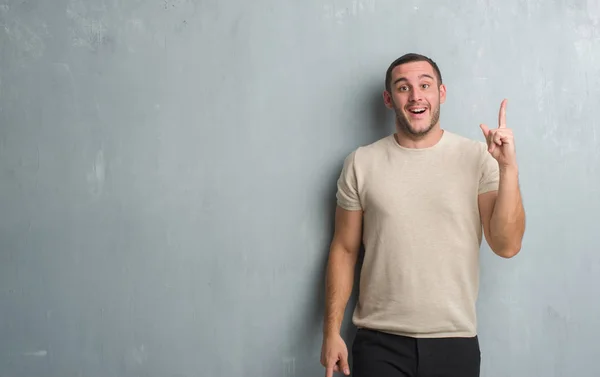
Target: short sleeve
{"x":490,"y":175}
{"x":347,"y":187}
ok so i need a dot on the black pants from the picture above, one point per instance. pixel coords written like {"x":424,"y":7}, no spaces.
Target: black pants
{"x":377,"y":354}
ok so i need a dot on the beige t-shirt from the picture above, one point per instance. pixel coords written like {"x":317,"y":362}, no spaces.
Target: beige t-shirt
{"x":422,"y":233}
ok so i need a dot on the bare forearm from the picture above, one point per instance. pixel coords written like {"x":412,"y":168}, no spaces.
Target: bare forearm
{"x":339,"y":281}
{"x":508,"y":219}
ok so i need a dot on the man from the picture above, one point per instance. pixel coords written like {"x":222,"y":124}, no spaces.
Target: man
{"x":418,"y":199}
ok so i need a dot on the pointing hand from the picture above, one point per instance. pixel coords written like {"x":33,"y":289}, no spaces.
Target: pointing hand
{"x":500,"y":140}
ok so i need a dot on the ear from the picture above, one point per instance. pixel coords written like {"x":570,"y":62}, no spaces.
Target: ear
{"x":442,"y":93}
{"x":387,"y":99}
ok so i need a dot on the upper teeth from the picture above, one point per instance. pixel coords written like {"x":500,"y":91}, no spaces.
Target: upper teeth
{"x":420,"y":110}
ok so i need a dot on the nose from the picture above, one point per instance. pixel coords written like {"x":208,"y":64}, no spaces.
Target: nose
{"x":415,"y":94}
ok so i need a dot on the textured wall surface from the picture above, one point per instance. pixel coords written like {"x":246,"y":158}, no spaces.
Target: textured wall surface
{"x":168,"y":167}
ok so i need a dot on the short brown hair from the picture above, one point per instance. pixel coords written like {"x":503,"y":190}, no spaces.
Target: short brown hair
{"x":409,"y":58}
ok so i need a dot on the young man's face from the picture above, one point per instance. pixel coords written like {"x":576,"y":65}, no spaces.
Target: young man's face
{"x":415,"y":96}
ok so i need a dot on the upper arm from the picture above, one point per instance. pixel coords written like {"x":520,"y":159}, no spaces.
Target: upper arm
{"x":489,"y":180}
{"x":349,"y":209}
{"x":489,"y":172}
{"x":486,"y":202}
{"x":348,"y":229}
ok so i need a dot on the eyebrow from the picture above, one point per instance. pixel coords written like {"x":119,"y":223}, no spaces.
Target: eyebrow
{"x":420,"y":77}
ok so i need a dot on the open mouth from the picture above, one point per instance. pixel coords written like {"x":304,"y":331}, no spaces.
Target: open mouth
{"x":417,"y":110}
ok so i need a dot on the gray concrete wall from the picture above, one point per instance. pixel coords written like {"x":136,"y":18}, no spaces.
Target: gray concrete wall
{"x":167,"y":176}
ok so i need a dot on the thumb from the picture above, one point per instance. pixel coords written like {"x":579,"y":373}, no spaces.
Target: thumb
{"x":344,"y":367}
{"x":485,"y":130}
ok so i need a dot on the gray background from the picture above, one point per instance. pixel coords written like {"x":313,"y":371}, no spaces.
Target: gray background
{"x":168,"y":167}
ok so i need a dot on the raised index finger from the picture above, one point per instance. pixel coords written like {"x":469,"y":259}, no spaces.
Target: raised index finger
{"x":502,"y":115}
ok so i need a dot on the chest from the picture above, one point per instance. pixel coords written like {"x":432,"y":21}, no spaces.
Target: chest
{"x":447,"y":189}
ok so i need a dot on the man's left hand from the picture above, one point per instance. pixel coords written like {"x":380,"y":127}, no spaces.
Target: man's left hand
{"x":500,"y":140}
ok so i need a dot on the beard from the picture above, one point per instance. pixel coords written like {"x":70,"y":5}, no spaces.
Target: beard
{"x":406,"y":127}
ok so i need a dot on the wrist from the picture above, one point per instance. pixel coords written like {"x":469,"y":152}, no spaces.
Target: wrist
{"x":509,"y":169}
{"x":331,"y":330}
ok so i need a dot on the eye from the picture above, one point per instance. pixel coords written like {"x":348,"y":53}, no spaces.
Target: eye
{"x":425,"y":86}
{"x":403,"y":88}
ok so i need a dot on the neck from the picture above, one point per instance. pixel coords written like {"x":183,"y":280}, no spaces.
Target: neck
{"x":408,"y":140}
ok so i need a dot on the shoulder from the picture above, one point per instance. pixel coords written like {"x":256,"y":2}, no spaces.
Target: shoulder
{"x":363,"y":159}
{"x":482,"y":163}
{"x":471,"y":149}
{"x":465,"y":143}
{"x":368,"y":153}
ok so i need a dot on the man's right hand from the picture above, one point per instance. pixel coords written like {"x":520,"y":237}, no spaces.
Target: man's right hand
{"x":334,"y":355}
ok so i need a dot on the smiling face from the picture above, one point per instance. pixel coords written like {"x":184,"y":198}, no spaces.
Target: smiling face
{"x":415,"y":96}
